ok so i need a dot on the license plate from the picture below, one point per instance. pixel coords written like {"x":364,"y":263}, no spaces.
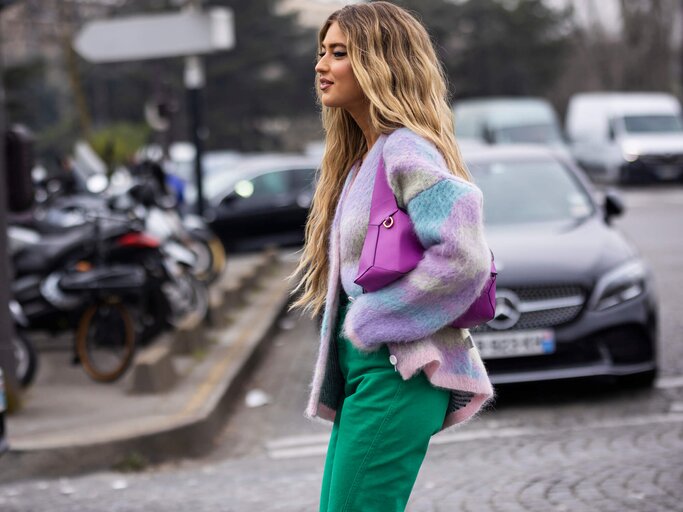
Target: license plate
{"x":498,"y":345}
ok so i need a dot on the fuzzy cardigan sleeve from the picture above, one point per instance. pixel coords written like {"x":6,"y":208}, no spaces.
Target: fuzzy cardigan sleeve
{"x":447,"y":216}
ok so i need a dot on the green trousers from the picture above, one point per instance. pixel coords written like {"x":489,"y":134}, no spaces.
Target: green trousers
{"x":380,"y":434}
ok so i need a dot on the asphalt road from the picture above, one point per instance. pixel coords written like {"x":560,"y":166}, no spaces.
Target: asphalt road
{"x":653,"y":221}
{"x":587,"y":446}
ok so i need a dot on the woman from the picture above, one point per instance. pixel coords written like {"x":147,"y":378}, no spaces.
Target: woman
{"x":390,"y":371}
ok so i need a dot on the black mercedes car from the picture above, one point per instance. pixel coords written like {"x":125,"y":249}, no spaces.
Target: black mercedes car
{"x":574,"y":298}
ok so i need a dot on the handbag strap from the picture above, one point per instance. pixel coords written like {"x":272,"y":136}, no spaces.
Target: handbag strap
{"x":383,"y":200}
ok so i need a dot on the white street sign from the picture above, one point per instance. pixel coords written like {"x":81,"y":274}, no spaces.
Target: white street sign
{"x":189,"y":32}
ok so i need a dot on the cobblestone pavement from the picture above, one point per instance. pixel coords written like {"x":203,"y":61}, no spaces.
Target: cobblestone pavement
{"x":592,"y":468}
{"x":588,"y":446}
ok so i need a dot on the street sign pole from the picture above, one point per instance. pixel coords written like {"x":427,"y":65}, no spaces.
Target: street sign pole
{"x":194,"y":83}
{"x":189,"y":33}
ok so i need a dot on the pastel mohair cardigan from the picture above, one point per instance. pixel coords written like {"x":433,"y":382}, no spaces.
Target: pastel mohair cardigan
{"x":411,"y":315}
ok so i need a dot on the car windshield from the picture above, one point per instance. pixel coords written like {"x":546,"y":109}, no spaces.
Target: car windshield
{"x":653,"y":124}
{"x":532,"y":133}
{"x":520,"y":192}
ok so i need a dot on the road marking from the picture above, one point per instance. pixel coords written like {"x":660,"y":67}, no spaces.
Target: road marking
{"x":288,"y":442}
{"x":316,"y":445}
{"x":629,"y":421}
{"x":675,"y":381}
{"x":296,"y":453}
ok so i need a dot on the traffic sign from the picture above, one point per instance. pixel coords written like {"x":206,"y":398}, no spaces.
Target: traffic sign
{"x":189,"y":32}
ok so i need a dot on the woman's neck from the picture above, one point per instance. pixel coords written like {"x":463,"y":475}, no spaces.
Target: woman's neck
{"x":370,"y":139}
{"x":362,"y":117}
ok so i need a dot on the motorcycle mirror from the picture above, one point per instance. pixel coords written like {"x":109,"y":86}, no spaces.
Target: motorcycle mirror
{"x":39,"y":174}
{"x":97,"y":183}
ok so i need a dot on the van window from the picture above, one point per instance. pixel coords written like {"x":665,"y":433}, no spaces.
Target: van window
{"x":652,"y":124}
{"x":531,"y":133}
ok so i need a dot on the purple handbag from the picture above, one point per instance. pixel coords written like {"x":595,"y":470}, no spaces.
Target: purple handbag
{"x":392,"y":249}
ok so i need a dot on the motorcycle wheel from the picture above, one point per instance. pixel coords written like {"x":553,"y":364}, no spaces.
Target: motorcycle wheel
{"x":218,"y":255}
{"x":195,"y":301}
{"x":26,"y":358}
{"x":211,"y":257}
{"x":203,"y":268}
{"x":105,"y":341}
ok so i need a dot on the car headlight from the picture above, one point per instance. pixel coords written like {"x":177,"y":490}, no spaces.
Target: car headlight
{"x":630,"y":153}
{"x":619,"y":285}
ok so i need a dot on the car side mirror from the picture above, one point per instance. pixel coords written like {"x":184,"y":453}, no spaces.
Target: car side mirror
{"x":228,"y":200}
{"x":610,"y":130}
{"x":487,"y":135}
{"x":613,"y":205}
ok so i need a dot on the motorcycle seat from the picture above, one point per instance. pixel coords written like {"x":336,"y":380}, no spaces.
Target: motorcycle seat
{"x":43,"y":256}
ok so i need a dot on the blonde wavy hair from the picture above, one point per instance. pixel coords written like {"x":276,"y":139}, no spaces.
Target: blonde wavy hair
{"x":394,"y":61}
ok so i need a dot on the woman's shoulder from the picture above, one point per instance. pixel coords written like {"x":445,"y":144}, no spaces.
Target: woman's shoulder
{"x":406,"y":142}
{"x":414,"y":163}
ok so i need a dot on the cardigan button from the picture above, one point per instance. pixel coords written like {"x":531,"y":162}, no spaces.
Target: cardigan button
{"x":393,"y":360}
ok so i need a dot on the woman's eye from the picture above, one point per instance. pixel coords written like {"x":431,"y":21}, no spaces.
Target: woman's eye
{"x":336,"y":54}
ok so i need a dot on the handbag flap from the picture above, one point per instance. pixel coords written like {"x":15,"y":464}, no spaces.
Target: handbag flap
{"x":383,"y":200}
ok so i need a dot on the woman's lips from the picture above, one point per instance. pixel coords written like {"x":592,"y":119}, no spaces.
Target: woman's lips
{"x":324,"y":84}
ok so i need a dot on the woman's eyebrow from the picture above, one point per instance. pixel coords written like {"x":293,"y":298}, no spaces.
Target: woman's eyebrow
{"x":332,"y":45}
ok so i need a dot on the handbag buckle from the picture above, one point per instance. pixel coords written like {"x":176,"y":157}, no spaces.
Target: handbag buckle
{"x":388,"y":222}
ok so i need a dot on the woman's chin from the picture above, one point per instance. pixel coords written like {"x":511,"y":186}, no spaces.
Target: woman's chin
{"x":329,"y":102}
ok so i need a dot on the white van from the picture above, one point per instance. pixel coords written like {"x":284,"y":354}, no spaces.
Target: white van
{"x":507,"y":120}
{"x":626,"y":137}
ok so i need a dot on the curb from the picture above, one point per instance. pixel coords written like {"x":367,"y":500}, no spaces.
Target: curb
{"x":190,"y":434}
{"x":153,"y":371}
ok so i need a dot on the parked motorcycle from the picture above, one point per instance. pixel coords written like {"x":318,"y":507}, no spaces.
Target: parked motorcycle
{"x":143,"y":196}
{"x":115,"y":269}
{"x":150,"y":201}
{"x":70,"y":285}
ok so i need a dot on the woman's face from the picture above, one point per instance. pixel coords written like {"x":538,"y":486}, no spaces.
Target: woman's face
{"x":337,"y":82}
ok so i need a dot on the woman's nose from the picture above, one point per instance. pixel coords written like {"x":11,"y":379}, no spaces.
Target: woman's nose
{"x":320,"y":65}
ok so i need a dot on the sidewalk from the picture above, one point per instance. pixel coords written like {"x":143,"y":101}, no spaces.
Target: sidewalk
{"x":70,"y":424}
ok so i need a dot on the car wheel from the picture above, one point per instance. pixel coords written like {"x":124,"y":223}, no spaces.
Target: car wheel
{"x":639,"y":380}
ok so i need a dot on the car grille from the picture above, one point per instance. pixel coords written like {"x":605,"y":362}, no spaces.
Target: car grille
{"x":543,"y":307}
{"x":665,"y":159}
